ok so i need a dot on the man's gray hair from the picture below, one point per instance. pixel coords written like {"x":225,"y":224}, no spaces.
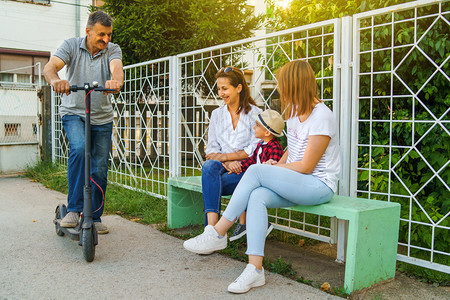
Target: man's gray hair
{"x":99,"y":17}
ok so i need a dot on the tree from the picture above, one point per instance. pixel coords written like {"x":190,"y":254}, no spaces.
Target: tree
{"x":301,"y":12}
{"x":150,"y":29}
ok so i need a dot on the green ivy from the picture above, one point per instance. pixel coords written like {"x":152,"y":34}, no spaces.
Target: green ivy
{"x":420,"y":144}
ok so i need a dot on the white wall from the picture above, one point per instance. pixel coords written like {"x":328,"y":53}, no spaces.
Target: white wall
{"x":260,"y":8}
{"x":17,"y":158}
{"x":40,"y":27}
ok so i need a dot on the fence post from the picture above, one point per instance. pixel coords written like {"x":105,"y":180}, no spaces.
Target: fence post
{"x":53,"y":119}
{"x":46,"y":98}
{"x":345,"y":126}
{"x":174,"y":117}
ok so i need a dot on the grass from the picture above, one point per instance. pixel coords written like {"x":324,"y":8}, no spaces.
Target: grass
{"x":140,"y":207}
{"x":134,"y":205}
{"x":50,"y":175}
{"x":433,"y":277}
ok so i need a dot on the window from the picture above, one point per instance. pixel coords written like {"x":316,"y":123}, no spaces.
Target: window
{"x":12,"y":129}
{"x":20,"y":66}
{"x":6,"y":77}
{"x":44,"y":2}
{"x":23,"y":78}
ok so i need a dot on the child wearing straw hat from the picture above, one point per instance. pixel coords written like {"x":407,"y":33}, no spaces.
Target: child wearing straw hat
{"x":269,"y":125}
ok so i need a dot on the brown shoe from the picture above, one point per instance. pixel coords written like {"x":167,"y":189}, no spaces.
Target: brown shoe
{"x":101,"y":228}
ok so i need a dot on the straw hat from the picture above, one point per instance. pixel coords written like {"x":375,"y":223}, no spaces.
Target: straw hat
{"x":272,"y":121}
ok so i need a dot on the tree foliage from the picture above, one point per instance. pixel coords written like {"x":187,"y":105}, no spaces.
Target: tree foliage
{"x":150,"y":29}
{"x":301,"y":12}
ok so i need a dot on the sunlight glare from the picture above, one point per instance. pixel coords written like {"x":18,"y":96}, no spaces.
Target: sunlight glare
{"x":283,"y":3}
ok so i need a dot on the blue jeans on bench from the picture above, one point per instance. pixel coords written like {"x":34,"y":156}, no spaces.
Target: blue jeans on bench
{"x":266,"y":186}
{"x":100,"y":146}
{"x":216,"y":182}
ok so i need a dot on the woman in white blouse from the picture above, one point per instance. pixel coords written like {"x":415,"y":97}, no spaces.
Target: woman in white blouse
{"x":230,"y":138}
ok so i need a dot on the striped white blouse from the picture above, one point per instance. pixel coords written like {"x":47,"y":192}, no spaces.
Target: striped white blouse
{"x":222,"y":138}
{"x":320,"y":122}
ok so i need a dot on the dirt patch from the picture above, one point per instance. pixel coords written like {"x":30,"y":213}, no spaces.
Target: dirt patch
{"x":310,"y":262}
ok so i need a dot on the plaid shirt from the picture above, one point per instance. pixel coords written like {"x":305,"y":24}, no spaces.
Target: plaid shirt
{"x":271,"y":150}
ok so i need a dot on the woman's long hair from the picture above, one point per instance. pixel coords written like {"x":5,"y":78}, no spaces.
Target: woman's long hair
{"x":236,"y":77}
{"x":298,"y":88}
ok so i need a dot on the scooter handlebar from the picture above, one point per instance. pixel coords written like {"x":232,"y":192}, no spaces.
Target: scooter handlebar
{"x":102,"y":89}
{"x":75,"y":88}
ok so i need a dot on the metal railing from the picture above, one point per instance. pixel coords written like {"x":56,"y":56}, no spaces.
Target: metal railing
{"x":401,"y":79}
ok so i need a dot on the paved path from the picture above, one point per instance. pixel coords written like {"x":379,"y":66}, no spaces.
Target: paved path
{"x":134,"y":261}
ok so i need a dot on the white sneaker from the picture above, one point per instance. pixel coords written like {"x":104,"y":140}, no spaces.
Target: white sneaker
{"x":207,"y":242}
{"x":250,"y":278}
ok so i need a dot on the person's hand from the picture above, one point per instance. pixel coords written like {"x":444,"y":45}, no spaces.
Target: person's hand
{"x":233,"y":167}
{"x":112,"y":84}
{"x":61,"y":86}
{"x":270,"y":162}
{"x":217,"y":156}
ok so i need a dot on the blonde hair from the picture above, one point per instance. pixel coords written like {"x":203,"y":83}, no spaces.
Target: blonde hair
{"x":298,"y":88}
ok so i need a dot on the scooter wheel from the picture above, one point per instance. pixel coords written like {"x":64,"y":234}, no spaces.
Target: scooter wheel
{"x":88,"y":244}
{"x":59,"y":214}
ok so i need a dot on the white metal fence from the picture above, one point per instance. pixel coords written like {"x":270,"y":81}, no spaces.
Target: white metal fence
{"x":401,"y":124}
{"x":19,"y":107}
{"x":162,"y":114}
{"x":19,"y":121}
{"x":18,"y":115}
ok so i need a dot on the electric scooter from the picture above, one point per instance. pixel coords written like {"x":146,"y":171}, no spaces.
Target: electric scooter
{"x":85,"y":232}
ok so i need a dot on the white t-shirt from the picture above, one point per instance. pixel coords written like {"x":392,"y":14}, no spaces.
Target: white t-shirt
{"x":320,"y":122}
{"x":222,"y":138}
{"x":258,"y":160}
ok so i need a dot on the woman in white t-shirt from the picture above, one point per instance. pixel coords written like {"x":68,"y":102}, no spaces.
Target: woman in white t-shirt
{"x":307,"y":174}
{"x":231,"y":137}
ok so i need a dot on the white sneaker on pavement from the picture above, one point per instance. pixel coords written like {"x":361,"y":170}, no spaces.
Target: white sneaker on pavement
{"x":250,"y":278}
{"x":207,"y":242}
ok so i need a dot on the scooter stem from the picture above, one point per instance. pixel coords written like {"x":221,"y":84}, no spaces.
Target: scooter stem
{"x":87,"y":190}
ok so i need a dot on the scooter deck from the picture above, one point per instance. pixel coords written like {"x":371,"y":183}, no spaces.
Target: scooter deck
{"x":73,"y":233}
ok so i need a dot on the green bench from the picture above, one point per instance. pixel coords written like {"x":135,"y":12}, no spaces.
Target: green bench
{"x":372,"y":228}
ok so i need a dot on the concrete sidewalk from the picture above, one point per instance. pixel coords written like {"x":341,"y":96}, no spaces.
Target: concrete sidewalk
{"x":132,"y":261}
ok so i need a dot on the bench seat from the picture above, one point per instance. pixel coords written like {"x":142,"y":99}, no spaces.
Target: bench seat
{"x":372,"y":228}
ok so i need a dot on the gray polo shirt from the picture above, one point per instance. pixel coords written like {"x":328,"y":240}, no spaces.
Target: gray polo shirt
{"x":81,"y":68}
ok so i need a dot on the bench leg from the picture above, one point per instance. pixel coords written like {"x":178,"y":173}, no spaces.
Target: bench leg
{"x":342,"y":240}
{"x":371,"y":248}
{"x":184,"y":207}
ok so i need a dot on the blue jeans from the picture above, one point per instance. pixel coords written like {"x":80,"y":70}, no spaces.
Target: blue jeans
{"x":100,"y":147}
{"x":216,"y":182}
{"x":266,"y":186}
